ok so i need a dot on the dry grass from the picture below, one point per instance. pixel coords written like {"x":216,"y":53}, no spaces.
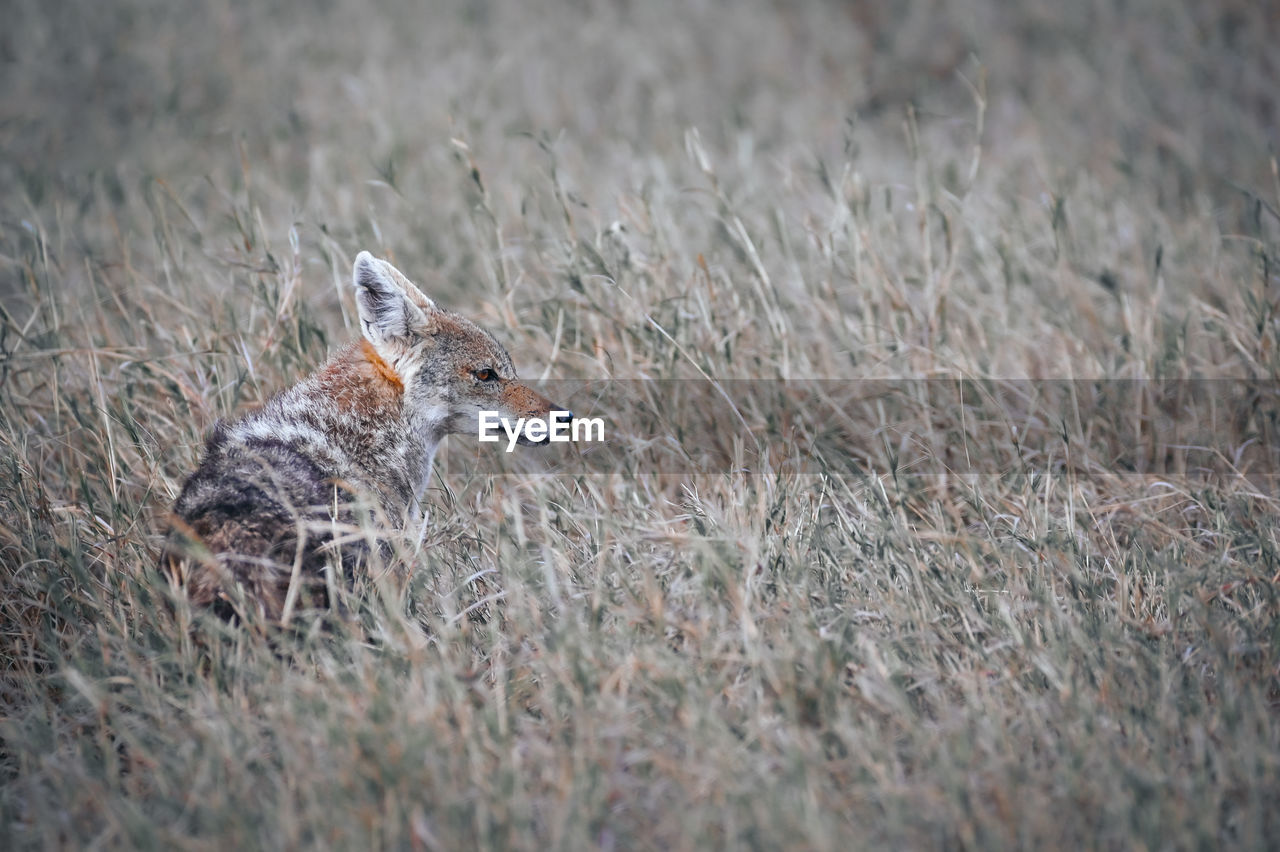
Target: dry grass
{"x":1023,"y":657}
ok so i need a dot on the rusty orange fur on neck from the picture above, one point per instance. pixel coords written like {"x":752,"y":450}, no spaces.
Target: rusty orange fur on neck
{"x":380,"y":366}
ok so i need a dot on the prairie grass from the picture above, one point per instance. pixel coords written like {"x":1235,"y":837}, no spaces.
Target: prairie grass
{"x":1021,"y":656}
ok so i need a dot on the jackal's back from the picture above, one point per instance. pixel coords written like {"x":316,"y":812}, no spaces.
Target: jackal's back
{"x":249,"y":512}
{"x":274,"y":487}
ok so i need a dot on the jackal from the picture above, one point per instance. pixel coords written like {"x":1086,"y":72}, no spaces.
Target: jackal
{"x":287,"y":487}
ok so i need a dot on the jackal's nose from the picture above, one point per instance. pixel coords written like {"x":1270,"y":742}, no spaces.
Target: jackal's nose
{"x":562,"y":415}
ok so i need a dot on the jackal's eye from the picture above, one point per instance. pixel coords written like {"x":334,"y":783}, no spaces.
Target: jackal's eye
{"x":486,"y":375}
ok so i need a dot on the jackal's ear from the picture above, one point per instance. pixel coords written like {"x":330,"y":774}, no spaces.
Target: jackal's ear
{"x":391,"y":308}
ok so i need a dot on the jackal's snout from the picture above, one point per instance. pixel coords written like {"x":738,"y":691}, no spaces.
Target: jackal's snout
{"x":523,"y":401}
{"x":557,"y":419}
{"x":561,"y":418}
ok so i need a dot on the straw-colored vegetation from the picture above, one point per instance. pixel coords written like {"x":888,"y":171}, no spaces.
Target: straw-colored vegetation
{"x":1027,"y":655}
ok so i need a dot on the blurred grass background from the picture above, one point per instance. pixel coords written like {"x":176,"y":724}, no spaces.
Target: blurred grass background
{"x":644,"y":191}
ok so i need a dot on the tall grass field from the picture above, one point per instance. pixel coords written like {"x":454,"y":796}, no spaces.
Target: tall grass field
{"x":816,"y":618}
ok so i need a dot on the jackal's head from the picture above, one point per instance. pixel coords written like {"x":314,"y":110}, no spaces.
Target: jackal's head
{"x":451,"y":369}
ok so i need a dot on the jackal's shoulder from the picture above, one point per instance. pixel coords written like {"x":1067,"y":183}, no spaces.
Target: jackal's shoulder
{"x":341,"y":425}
